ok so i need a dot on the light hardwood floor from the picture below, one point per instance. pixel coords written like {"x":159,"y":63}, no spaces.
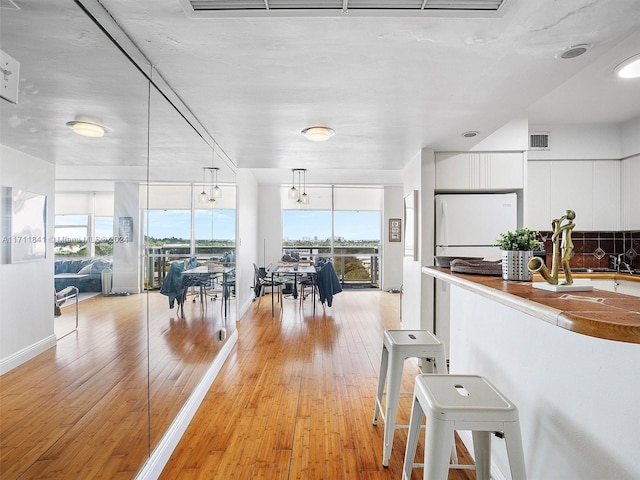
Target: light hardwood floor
{"x":98,"y":402}
{"x":295,"y":399}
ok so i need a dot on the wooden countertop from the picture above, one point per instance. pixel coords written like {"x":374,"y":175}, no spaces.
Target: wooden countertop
{"x":600,"y":314}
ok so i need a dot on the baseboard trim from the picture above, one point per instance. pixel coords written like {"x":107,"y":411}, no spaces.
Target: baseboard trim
{"x":160,"y":456}
{"x":16,"y":359}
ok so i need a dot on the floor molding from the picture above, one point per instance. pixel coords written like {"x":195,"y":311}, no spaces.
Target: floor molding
{"x":160,"y":456}
{"x":16,"y":359}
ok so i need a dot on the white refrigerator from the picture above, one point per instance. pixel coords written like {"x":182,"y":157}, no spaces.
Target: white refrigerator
{"x":466,"y":226}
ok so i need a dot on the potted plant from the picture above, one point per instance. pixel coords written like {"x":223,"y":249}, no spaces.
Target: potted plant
{"x":517,"y":249}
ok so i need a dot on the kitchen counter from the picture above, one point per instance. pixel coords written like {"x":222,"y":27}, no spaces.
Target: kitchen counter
{"x":598,"y":313}
{"x":569,"y":361}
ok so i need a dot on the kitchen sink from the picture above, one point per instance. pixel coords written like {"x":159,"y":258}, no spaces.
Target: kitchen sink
{"x":593,"y":270}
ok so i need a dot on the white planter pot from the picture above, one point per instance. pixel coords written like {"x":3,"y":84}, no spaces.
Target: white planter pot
{"x":514,"y":265}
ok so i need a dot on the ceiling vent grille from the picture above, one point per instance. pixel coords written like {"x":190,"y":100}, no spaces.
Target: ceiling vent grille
{"x":539,"y":141}
{"x":338,"y":7}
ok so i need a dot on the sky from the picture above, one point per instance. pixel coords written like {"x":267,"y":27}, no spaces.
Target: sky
{"x":297,"y":225}
{"x":176,"y":223}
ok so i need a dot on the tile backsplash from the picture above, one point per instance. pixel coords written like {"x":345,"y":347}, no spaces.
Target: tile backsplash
{"x":593,"y":249}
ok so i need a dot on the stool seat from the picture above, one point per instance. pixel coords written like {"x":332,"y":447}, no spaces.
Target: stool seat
{"x":451,"y":403}
{"x":398,"y":345}
{"x":462,"y":402}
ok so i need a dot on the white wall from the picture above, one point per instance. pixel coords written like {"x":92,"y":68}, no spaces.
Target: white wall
{"x":26,"y":289}
{"x":269,"y":225}
{"x":513,"y":136}
{"x":127,"y":256}
{"x":417,"y":298}
{"x":392,"y":252}
{"x":579,"y":142}
{"x":248,"y":244}
{"x":630,"y":138}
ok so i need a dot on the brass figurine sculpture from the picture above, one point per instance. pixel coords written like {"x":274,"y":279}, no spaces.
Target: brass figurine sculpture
{"x":561,"y":239}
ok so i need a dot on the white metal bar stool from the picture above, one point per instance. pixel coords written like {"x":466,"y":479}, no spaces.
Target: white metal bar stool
{"x":398,"y":345}
{"x":461,"y":402}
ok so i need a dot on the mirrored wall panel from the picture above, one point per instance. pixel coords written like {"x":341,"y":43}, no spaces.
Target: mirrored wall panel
{"x":117,"y":282}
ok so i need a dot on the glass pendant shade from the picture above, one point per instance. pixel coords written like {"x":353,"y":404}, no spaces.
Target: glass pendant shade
{"x":216,"y":191}
{"x":304,"y":199}
{"x":203,"y":196}
{"x":293,"y":193}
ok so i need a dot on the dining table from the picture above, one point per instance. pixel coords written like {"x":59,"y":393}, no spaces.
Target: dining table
{"x":289,"y":269}
{"x":201,"y":275}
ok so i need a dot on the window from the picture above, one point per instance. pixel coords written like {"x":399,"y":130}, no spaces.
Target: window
{"x":215,"y":231}
{"x":72,"y":235}
{"x":103,"y":236}
{"x":356,"y":244}
{"x":342,"y":223}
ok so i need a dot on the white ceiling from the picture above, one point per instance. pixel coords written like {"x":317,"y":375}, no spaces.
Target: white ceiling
{"x":388,"y":85}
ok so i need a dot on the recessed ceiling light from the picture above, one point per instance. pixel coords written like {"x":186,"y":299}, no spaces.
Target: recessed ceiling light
{"x":470,"y":134}
{"x":87,"y":129}
{"x":318,"y":133}
{"x":574,"y":51}
{"x":630,"y":68}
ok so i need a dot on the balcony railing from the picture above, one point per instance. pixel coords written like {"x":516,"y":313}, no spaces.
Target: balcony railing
{"x":356,"y":266}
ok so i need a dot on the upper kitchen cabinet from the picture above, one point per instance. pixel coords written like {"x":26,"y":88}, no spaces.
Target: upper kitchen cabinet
{"x":479,"y":171}
{"x":590,"y":188}
{"x":630,"y":179}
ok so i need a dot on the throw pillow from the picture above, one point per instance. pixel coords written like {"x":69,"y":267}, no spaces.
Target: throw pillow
{"x":86,"y":269}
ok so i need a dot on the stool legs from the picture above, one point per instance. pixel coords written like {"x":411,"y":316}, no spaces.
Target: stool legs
{"x":381,"y":379}
{"x":515,"y":451}
{"x":412,"y":438}
{"x":482,"y":453}
{"x":391,"y":405}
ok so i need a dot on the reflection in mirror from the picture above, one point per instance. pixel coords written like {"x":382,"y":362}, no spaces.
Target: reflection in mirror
{"x":74,"y":400}
{"x":189,"y":266}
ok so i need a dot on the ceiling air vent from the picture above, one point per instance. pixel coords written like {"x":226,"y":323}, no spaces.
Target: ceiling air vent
{"x":246,"y":8}
{"x":539,"y":141}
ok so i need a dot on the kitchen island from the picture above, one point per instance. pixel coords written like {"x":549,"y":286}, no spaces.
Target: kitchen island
{"x":569,"y":361}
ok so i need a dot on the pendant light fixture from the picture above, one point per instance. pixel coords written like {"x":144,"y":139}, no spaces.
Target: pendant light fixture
{"x":203,"y":194}
{"x":293,"y":192}
{"x":216,"y":191}
{"x":304,"y":198}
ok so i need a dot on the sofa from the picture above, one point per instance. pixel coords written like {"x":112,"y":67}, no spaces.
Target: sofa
{"x":84,"y":273}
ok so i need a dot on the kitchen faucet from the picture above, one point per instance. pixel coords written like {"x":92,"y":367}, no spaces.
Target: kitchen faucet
{"x":620,"y":263}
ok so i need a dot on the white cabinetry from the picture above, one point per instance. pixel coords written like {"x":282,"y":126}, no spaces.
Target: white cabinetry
{"x":590,"y":188}
{"x":630,"y":178}
{"x":479,"y":171}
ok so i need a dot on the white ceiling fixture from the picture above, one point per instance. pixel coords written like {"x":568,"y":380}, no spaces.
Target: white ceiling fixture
{"x":574,"y":51}
{"x":318,"y":133}
{"x":630,"y":68}
{"x":87,"y":129}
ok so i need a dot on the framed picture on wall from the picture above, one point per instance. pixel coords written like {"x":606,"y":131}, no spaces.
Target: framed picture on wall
{"x":24,"y":224}
{"x":410,"y":225}
{"x":395,"y":229}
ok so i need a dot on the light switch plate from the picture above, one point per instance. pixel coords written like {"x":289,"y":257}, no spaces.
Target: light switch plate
{"x":9,"y":75}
